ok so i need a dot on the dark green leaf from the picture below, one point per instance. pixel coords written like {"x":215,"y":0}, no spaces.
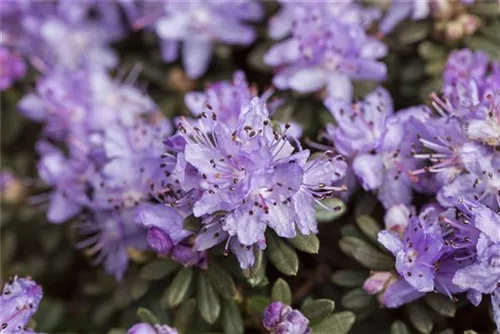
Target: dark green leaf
{"x":232,"y":321}
{"x":184,"y":315}
{"x":192,"y":223}
{"x":368,"y":226}
{"x":338,"y":323}
{"x":349,"y":244}
{"x":357,"y":299}
{"x":282,"y":255}
{"x":413,"y":31}
{"x":419,"y":316}
{"x":306,"y":243}
{"x":256,"y":276}
{"x":179,"y":287}
{"x":317,"y":310}
{"x":349,"y":278}
{"x":399,"y":327}
{"x":336,"y":210}
{"x":158,"y":269}
{"x":146,"y":315}
{"x":372,"y":258}
{"x":257,"y":304}
{"x":441,"y":304}
{"x":139,"y":289}
{"x":207,"y":300}
{"x":281,"y":292}
{"x":221,"y":281}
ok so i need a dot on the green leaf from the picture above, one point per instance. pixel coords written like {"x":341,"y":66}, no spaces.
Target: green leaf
{"x":139,"y":289}
{"x":349,"y":278}
{"x":349,"y":244}
{"x":282,"y":255}
{"x":451,"y":331}
{"x":306,"y":243}
{"x":337,"y":209}
{"x":372,"y":258}
{"x":221,"y":281}
{"x":441,"y":304}
{"x":368,"y":226}
{"x":116,"y":331}
{"x":256,"y":276}
{"x":399,"y":327}
{"x":207,"y":300}
{"x":179,"y":287}
{"x":470,"y":331}
{"x":317,"y":310}
{"x":338,"y":323}
{"x":158,"y":269}
{"x":413,"y":31}
{"x":146,"y":315}
{"x":192,"y":223}
{"x":257,"y":304}
{"x":232,"y":321}
{"x":184,"y":315}
{"x":8,"y":246}
{"x":357,"y":299}
{"x":419,"y":316}
{"x":281,"y":292}
{"x":480,"y":43}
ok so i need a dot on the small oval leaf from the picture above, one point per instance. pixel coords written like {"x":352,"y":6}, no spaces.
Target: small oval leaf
{"x":221,"y":281}
{"x":281,"y":292}
{"x":146,"y":315}
{"x":282,"y":255}
{"x":207,"y":300}
{"x":441,"y":304}
{"x":420,"y":317}
{"x":232,"y":321}
{"x":338,"y":323}
{"x":179,"y":287}
{"x":399,"y":327}
{"x":184,"y":315}
{"x":158,"y":269}
{"x":349,"y":278}
{"x":317,"y":310}
{"x":357,"y":299}
{"x":306,"y":243}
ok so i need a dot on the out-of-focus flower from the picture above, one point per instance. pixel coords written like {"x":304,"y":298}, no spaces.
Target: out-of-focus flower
{"x":12,"y":189}
{"x":198,"y":25}
{"x":280,"y":318}
{"x":13,"y":67}
{"x":326,"y":49}
{"x":145,"y":328}
{"x":61,"y":34}
{"x":19,"y":301}
{"x":420,"y":9}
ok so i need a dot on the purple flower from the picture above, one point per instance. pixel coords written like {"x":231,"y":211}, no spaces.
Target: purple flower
{"x":377,"y":282}
{"x":53,"y":34}
{"x":198,"y":25}
{"x":435,"y":246}
{"x":281,"y":319}
{"x":414,"y":9}
{"x":483,"y":275}
{"x":348,"y":12}
{"x":88,"y":99}
{"x":19,"y":301}
{"x":13,"y":68}
{"x":145,"y":328}
{"x":379,"y":143}
{"x":401,"y":9}
{"x":325,"y":50}
{"x":241,"y":175}
{"x":167,"y":236}
{"x":470,"y":78}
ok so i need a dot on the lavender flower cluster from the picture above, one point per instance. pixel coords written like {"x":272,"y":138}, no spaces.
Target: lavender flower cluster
{"x":130,"y":180}
{"x":452,"y":152}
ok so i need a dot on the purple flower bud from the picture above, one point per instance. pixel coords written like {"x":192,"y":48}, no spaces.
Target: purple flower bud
{"x":272,"y":315}
{"x":377,"y":282}
{"x":13,"y":68}
{"x":145,"y":328}
{"x":159,"y":241}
